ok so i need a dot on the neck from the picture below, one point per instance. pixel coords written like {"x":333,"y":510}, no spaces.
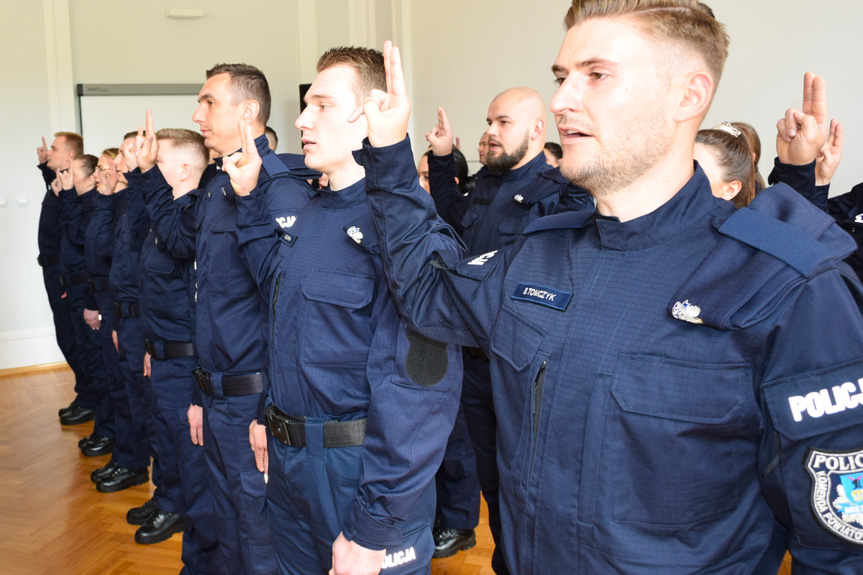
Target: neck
{"x":650,"y":191}
{"x":183,"y":189}
{"x":528,"y":158}
{"x":346,"y":176}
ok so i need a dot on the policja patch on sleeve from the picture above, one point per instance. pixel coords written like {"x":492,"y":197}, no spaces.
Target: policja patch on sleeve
{"x":837,"y":492}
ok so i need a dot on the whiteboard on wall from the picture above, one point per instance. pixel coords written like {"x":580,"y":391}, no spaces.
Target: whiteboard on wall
{"x":108,"y":111}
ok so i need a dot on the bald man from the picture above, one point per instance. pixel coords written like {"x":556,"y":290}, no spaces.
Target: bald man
{"x":515,"y":187}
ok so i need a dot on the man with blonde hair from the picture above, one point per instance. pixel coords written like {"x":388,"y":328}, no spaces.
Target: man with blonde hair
{"x":677,"y":382}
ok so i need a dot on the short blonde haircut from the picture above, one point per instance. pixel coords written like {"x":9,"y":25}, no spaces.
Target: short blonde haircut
{"x":187,"y":140}
{"x":688,"y":24}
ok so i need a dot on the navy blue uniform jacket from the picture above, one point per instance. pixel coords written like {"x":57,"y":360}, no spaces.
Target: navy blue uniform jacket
{"x":340,"y":351}
{"x":230,"y":324}
{"x":666,"y":388}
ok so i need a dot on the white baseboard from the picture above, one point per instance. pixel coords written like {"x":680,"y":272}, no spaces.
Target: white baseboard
{"x":28,"y":347}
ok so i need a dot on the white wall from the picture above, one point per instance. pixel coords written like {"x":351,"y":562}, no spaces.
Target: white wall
{"x":463,"y":53}
{"x":458,"y":55}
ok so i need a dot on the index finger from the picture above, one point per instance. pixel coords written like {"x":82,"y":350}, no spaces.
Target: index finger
{"x":44,"y":143}
{"x":151,"y":131}
{"x":396,"y":75}
{"x":838,"y":135}
{"x":818,"y":101}
{"x":442,"y":120}
{"x":808,"y":80}
{"x":388,"y":49}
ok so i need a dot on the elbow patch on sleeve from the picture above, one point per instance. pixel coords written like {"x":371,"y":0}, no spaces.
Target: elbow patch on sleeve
{"x":427,"y":361}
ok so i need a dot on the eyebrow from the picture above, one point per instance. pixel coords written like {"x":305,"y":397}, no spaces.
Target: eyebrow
{"x":204,"y":97}
{"x":559,"y":69}
{"x":317,"y":97}
{"x":499,"y":117}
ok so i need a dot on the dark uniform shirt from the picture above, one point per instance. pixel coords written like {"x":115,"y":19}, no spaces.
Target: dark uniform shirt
{"x":49,"y":218}
{"x":230,"y":318}
{"x":663,"y":390}
{"x":339,"y":350}
{"x":131,"y":229}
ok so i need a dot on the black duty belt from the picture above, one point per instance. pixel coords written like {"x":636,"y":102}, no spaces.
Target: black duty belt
{"x":475,"y":353}
{"x":232,"y":385}
{"x":291,"y":430}
{"x":74,"y":279}
{"x":98,"y":284}
{"x":169,"y":349}
{"x":51,"y":260}
{"x":128,"y":309}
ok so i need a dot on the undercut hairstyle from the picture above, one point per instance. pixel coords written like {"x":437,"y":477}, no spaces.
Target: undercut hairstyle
{"x":111,"y":152}
{"x":734,"y":157}
{"x":188,"y":140}
{"x":128,"y":135}
{"x":74,"y":142}
{"x":88,"y":163}
{"x":247,"y":83}
{"x":688,"y":24}
{"x":460,"y":167}
{"x":554,"y":149}
{"x":366,"y":62}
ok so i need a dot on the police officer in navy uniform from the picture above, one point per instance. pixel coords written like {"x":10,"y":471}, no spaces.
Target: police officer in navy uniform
{"x":515,"y":187}
{"x":64,"y":147}
{"x":230,"y":322}
{"x":167,"y":310}
{"x":79,"y":190}
{"x":125,"y":238}
{"x":358,"y":407}
{"x":666,"y":399}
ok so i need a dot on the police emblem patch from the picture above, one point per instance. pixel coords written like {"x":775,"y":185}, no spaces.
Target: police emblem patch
{"x":355,"y":234}
{"x":687,"y":312}
{"x":519,"y":198}
{"x":837,"y":492}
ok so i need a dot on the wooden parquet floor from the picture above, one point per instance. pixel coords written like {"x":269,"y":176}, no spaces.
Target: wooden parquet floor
{"x":52,"y":519}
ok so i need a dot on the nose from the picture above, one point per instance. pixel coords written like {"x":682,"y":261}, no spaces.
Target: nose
{"x":303,"y":121}
{"x":567,"y":98}
{"x":198,"y":116}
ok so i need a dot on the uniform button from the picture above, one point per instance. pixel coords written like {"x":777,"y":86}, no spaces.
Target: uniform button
{"x":209,"y":194}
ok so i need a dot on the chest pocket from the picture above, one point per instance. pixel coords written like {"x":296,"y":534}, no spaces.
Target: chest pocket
{"x":336,"y":318}
{"x":518,"y":343}
{"x":227,"y":273}
{"x":512,"y":225}
{"x":158,"y":262}
{"x":676,"y":440}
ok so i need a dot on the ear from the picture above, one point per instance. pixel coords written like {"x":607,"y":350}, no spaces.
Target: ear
{"x":185,"y":171}
{"x":456,"y":180}
{"x":250,"y":110}
{"x":696,"y":91}
{"x":538,"y":129}
{"x":730,"y":190}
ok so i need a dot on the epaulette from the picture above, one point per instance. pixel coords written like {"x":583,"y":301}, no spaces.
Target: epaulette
{"x":288,"y":165}
{"x":765,"y":250}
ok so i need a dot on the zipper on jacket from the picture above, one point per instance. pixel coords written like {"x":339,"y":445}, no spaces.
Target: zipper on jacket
{"x":535,"y":414}
{"x":275,"y":300}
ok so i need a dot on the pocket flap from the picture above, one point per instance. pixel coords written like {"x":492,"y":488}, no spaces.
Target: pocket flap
{"x":348,"y":290}
{"x":515,"y":340}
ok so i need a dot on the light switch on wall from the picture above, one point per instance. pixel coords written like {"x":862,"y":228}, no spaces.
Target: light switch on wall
{"x":3,"y":202}
{"x":23,"y":201}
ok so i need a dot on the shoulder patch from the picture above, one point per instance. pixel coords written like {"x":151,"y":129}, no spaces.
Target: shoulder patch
{"x":549,"y":297}
{"x":482,"y":260}
{"x":837,"y":492}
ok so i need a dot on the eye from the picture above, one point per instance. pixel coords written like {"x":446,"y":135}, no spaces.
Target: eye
{"x":598,"y":76}
{"x":559,"y":81}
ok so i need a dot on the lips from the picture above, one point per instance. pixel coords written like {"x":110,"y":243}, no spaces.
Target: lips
{"x":307,"y":143}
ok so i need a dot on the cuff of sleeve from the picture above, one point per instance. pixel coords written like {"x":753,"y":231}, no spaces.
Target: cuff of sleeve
{"x":252,"y":209}
{"x":369,"y":532}
{"x":68,"y":195}
{"x":389,"y":165}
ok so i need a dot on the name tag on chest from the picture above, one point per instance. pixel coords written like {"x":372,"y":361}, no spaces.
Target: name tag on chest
{"x":549,"y":297}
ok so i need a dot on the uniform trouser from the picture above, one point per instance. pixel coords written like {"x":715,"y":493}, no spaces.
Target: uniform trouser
{"x":98,"y":387}
{"x":182,"y":463}
{"x":482,"y":426}
{"x":125,"y":450}
{"x":310,"y":492}
{"x":238,"y":487}
{"x":139,"y":399}
{"x":63,"y":326}
{"x":458,"y":490}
